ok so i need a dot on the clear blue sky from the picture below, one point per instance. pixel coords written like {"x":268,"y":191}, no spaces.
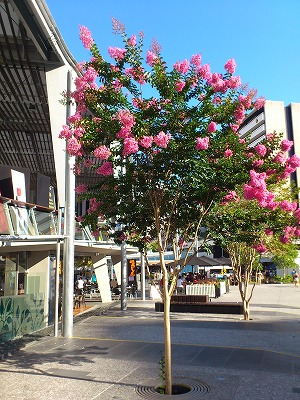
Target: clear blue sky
{"x":263,"y":36}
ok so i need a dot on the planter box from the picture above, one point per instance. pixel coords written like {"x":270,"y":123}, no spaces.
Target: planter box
{"x":205,"y":308}
{"x":190,"y":298}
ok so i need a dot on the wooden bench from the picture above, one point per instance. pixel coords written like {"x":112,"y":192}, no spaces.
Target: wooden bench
{"x":203,"y":308}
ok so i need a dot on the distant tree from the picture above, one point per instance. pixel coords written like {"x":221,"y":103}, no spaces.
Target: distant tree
{"x":247,"y":228}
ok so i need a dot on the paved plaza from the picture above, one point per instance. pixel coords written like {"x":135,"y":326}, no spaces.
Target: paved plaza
{"x":115,"y":354}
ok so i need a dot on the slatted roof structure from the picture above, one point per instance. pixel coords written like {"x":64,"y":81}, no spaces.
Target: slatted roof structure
{"x":26,"y":52}
{"x":25,"y":136}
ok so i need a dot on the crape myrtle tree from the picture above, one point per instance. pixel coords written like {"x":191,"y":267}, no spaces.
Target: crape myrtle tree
{"x":163,"y":142}
{"x":262,"y":216}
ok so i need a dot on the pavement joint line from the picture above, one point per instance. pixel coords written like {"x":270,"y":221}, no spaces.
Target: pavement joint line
{"x":188,"y":344}
{"x":112,"y":385}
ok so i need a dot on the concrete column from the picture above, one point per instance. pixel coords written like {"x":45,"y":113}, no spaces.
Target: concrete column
{"x":101,"y":271}
{"x":117,"y":263}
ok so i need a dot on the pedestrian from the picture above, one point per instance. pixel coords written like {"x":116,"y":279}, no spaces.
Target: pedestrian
{"x":80,"y":284}
{"x":93,"y":278}
{"x":296,"y":279}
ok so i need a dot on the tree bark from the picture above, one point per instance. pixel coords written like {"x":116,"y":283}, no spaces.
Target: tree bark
{"x":167,"y":338}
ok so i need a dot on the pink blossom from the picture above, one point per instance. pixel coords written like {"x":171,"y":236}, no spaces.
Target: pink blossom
{"x":132,"y":41}
{"x":239,"y":113}
{"x":269,"y":232}
{"x":257,"y":163}
{"x":234,"y":82}
{"x":235,"y":128}
{"x":90,"y":75}
{"x":212,"y":127}
{"x":259,"y":103}
{"x":280,"y":158}
{"x":228,"y":153}
{"x":73,"y":119}
{"x":86,"y":37}
{"x":66,"y":132}
{"x":146,"y":141}
{"x":74,"y":148}
{"x":79,"y":132}
{"x":260,"y":150}
{"x":230,"y":66}
{"x":125,"y":118}
{"x":242,"y":141}
{"x":284,"y":239}
{"x":117,"y":53}
{"x":151,"y":58}
{"x":130,"y":146}
{"x":88,"y":163}
{"x":81,"y":188}
{"x":196,"y":60}
{"x":270,"y":136}
{"x":117,"y":84}
{"x":182,"y":66}
{"x":260,"y":248}
{"x":286,"y":205}
{"x":179,"y":86}
{"x":286,"y":145}
{"x":105,"y":169}
{"x":202,"y":143}
{"x":124,"y":133}
{"x":297,"y":214}
{"x":204,"y":71}
{"x":102,"y":152}
{"x":231,"y":196}
{"x":293,"y":161}
{"x":162,"y":139}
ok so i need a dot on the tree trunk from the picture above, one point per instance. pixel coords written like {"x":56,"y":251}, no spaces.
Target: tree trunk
{"x":246,"y":310}
{"x":167,"y":339}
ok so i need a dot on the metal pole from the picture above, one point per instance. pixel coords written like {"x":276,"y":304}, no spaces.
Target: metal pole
{"x":57,"y":294}
{"x":69,"y":225}
{"x":123,"y":277}
{"x":143,"y":282}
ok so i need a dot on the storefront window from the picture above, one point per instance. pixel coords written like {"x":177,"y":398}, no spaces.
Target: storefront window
{"x":12,"y":274}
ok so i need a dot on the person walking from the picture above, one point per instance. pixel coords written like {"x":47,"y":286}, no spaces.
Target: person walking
{"x":296,"y":279}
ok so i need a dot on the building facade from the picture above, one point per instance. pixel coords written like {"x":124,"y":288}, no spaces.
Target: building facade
{"x":36,"y":68}
{"x":275,"y":116}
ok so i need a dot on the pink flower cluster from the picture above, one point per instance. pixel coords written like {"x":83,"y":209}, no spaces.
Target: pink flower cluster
{"x":228,"y":153}
{"x":179,"y":85}
{"x":94,"y":205}
{"x":182,"y":66}
{"x":86,"y":37}
{"x":151,"y":58}
{"x":137,"y":73}
{"x":288,"y":233}
{"x":130,"y":146}
{"x":212,"y":127}
{"x":260,"y":150}
{"x":196,"y":60}
{"x":74,"y":148}
{"x":81,"y":188}
{"x":105,"y":169}
{"x":102,"y":152}
{"x":257,"y":189}
{"x":117,"y":53}
{"x":231,"y":196}
{"x":230,"y":66}
{"x":146,"y":141}
{"x":127,"y":121}
{"x":132,"y":41}
{"x":202,"y":143}
{"x":260,"y":248}
{"x":162,"y":139}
